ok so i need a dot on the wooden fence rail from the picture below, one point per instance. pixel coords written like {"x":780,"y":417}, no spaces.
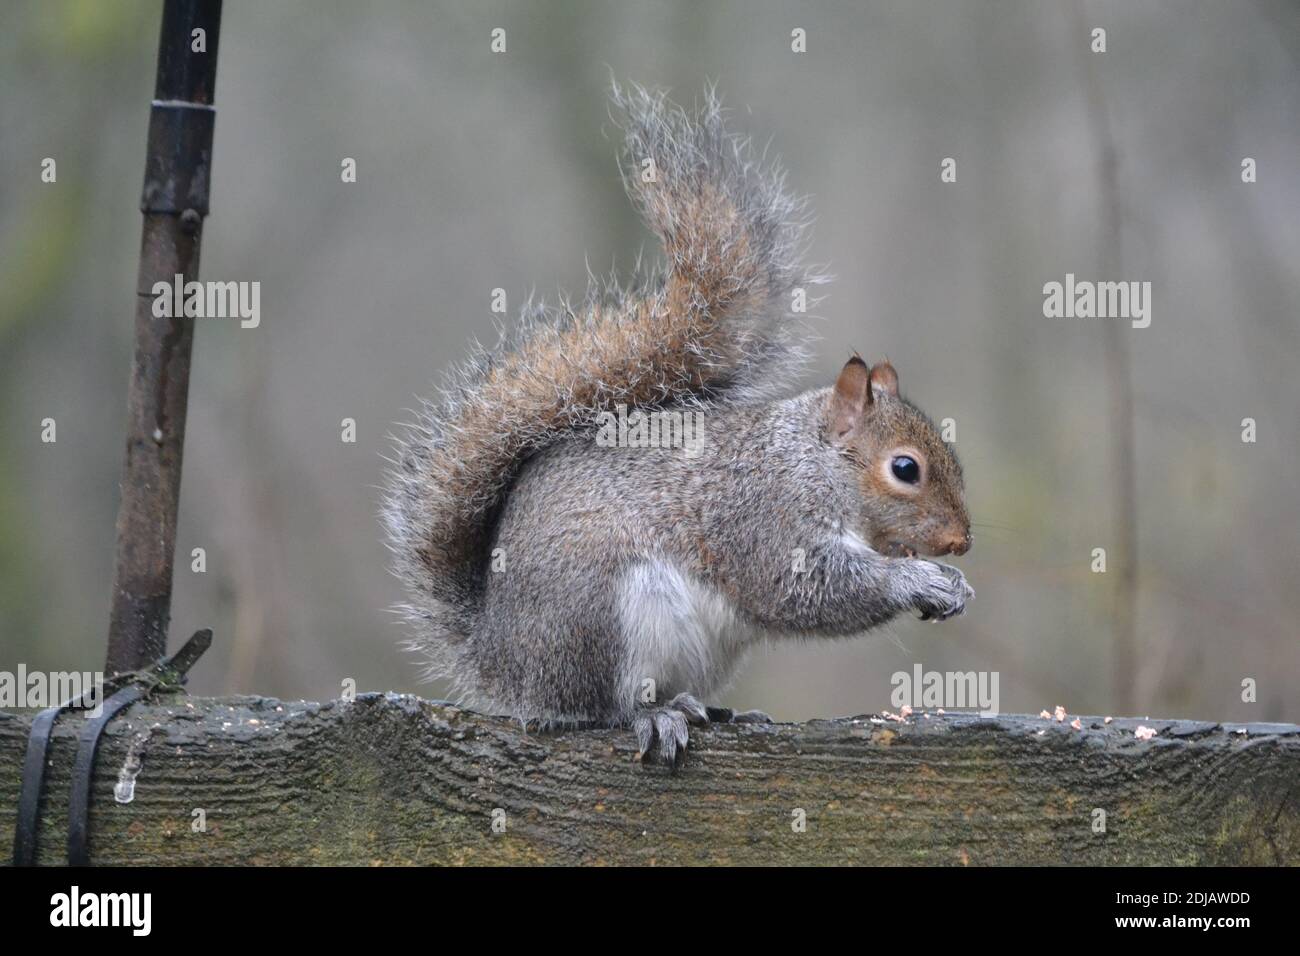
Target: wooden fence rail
{"x":388,"y":779}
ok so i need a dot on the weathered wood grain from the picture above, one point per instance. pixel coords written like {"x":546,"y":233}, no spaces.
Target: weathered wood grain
{"x":389,"y":779}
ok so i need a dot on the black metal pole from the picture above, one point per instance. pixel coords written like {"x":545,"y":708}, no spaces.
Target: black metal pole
{"x":175,"y":200}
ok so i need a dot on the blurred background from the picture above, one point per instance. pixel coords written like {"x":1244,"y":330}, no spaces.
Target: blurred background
{"x":479,"y":170}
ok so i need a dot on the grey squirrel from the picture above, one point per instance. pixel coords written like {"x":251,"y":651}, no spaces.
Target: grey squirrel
{"x":564,"y":580}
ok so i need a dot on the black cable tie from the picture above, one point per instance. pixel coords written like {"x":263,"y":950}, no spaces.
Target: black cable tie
{"x":168,"y":672}
{"x":33,"y":780}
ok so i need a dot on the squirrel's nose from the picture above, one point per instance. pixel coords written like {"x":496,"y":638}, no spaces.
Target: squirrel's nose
{"x":958,"y":543}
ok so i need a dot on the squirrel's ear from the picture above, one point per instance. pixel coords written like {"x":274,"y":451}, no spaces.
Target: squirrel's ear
{"x":849,"y":400}
{"x":884,"y":381}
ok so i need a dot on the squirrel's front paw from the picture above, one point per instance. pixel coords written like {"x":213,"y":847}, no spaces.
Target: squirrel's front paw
{"x":668,"y":726}
{"x":943,"y":592}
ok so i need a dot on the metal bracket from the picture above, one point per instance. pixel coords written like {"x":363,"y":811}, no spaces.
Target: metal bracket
{"x":179,"y":158}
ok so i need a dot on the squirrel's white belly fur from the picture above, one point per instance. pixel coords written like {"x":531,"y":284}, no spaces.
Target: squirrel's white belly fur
{"x":679,"y":633}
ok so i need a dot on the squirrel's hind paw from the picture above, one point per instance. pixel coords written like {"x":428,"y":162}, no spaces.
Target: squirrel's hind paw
{"x":669,"y":726}
{"x":725,"y":715}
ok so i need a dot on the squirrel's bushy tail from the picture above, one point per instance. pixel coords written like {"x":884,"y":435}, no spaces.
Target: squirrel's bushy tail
{"x":713,"y":324}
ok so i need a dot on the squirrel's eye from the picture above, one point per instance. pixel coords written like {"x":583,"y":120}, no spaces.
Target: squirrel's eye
{"x":906,"y":469}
